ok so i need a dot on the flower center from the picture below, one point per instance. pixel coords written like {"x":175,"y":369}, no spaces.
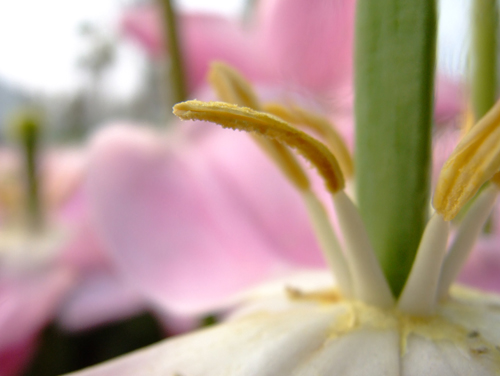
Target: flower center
{"x":475,"y":161}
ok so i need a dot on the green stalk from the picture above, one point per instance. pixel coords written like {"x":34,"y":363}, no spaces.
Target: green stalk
{"x":394,"y":65}
{"x":483,"y":57}
{"x":171,"y":40}
{"x":28,"y":132}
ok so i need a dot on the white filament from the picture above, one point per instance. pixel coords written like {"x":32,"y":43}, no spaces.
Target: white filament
{"x":329,"y":242}
{"x":420,"y":291}
{"x":368,"y":280}
{"x":467,"y":233}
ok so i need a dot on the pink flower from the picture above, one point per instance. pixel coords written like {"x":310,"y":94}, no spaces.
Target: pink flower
{"x":43,"y":273}
{"x":281,"y":46}
{"x":204,"y":38}
{"x":303,"y":46}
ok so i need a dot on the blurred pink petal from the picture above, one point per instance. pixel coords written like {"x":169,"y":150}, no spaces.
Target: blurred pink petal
{"x":62,"y":172}
{"x":204,"y":38}
{"x":190,"y":224}
{"x":444,"y":141}
{"x":15,"y":358}
{"x":482,"y":269}
{"x":99,"y":298}
{"x":450,"y":99}
{"x":142,"y":23}
{"x":309,"y":42}
{"x":28,"y":303}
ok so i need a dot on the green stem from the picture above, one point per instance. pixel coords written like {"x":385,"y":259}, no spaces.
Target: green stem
{"x":29,"y":135}
{"x":483,"y":58}
{"x":394,"y":64}
{"x":171,"y":40}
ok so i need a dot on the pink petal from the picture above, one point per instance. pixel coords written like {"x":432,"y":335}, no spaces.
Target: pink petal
{"x":444,"y":141}
{"x":142,"y":23}
{"x":204,"y":38}
{"x":193,"y":225}
{"x":84,"y":250}
{"x":99,"y":298}
{"x":482,"y":269}
{"x":15,"y":359}
{"x":450,"y":100}
{"x":28,"y":302}
{"x":309,"y":41}
{"x":62,"y":173}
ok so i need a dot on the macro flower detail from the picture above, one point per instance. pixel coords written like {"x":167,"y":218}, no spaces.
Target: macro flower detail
{"x":357,"y":326}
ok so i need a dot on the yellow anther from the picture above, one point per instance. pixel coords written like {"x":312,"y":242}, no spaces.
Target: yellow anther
{"x":231,"y":87}
{"x":286,"y":161}
{"x":269,"y":126}
{"x":321,"y":126}
{"x":474,"y":161}
{"x":467,"y":120}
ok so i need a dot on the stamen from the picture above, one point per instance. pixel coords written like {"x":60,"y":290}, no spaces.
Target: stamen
{"x":473,"y":162}
{"x":467,"y":233}
{"x":329,"y":242}
{"x":234,"y":117}
{"x":286,"y":161}
{"x":467,"y":120}
{"x":231,"y":87}
{"x":420,"y":291}
{"x":321,"y":126}
{"x":369,"y":283}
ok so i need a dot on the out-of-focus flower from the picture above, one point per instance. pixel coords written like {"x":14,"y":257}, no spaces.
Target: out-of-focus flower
{"x":45,"y":267}
{"x":261,"y":49}
{"x":303,"y":46}
{"x":204,"y":38}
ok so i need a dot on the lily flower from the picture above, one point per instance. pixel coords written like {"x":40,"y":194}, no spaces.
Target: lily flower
{"x":48,"y":251}
{"x":356,"y":326}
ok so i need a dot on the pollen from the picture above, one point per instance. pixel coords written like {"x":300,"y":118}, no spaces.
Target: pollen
{"x":269,"y":126}
{"x":474,"y":161}
{"x":231,"y":87}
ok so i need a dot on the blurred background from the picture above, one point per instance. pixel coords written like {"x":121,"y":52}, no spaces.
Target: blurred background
{"x":72,"y":61}
{"x":72,"y":58}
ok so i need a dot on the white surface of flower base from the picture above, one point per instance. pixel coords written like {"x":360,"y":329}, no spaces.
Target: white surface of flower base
{"x":320,"y":334}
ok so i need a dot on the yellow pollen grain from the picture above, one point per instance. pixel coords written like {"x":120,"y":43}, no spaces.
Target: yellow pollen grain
{"x":231,"y":87}
{"x":474,"y":161}
{"x":321,"y":126}
{"x":269,"y":126}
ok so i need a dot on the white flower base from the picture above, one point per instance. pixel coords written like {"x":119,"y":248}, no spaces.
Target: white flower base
{"x":322,"y":334}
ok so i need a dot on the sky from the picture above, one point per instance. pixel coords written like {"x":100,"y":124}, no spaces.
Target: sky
{"x":40,"y":43}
